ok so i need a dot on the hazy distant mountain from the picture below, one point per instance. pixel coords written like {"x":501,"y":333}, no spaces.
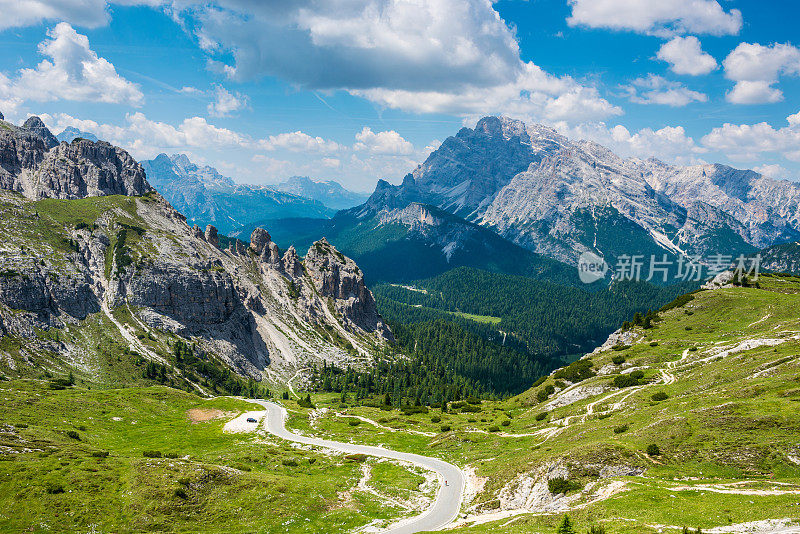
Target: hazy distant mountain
{"x":71,"y":133}
{"x":330,"y":193}
{"x":205,"y":196}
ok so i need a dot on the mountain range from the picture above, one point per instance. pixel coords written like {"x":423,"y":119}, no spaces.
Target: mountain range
{"x":558,"y":197}
{"x":96,"y":265}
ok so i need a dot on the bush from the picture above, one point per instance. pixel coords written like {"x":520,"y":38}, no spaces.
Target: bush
{"x":436,"y":419}
{"x":621,"y":429}
{"x":596,"y":529}
{"x":445,"y":428}
{"x":494,"y":428}
{"x":180,"y":493}
{"x":561,"y":485}
{"x":541,"y":416}
{"x":184,"y":481}
{"x":577,"y":371}
{"x":305,"y":402}
{"x":100,"y":454}
{"x":312,"y":461}
{"x":73,"y":434}
{"x":354,"y":422}
{"x":151,"y":454}
{"x":619,"y":359}
{"x":652,"y":344}
{"x":506,"y":422}
{"x":659,"y":396}
{"x":291,"y":462}
{"x":620,"y":346}
{"x":693,"y":349}
{"x":172,"y":455}
{"x":356,"y":457}
{"x":470,"y":409}
{"x":687,"y":328}
{"x":628,"y":380}
{"x":653,"y":450}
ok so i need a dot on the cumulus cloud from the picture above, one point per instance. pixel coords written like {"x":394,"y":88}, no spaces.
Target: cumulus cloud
{"x":670,"y":143}
{"x":655,"y":89}
{"x":226,"y":102}
{"x":773,"y":170}
{"x":87,"y":13}
{"x":756,"y":69}
{"x":664,"y":17}
{"x":73,"y":71}
{"x":436,"y":56}
{"x":685,"y":56}
{"x":749,"y":141}
{"x":388,"y":142}
{"x":297,"y":142}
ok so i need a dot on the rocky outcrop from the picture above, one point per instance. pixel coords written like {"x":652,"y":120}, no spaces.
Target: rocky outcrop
{"x":338,"y":278}
{"x":33,"y":163}
{"x":211,"y":235}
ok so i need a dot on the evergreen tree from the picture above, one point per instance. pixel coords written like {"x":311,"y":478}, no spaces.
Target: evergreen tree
{"x":565,"y":527}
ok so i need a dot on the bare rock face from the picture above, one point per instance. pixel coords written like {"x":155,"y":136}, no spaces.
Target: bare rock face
{"x":211,"y":235}
{"x":259,"y":240}
{"x":35,"y":125}
{"x":338,"y":277}
{"x":292,"y":265}
{"x":33,"y":163}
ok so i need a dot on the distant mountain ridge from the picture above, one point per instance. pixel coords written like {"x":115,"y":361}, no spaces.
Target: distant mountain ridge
{"x":70,"y":133}
{"x":330,"y":193}
{"x":207,"y":197}
{"x":560,"y":198}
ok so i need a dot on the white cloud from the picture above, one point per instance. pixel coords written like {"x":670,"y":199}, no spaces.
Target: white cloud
{"x":756,"y":68}
{"x":670,"y":143}
{"x":333,"y":163}
{"x":657,"y":90}
{"x":533,"y":94}
{"x":773,"y":170}
{"x":226,"y":102}
{"x":434,"y":56}
{"x":661,"y":17}
{"x":72,"y":72}
{"x":685,"y":56}
{"x":18,"y":13}
{"x":144,"y":137}
{"x":297,"y":142}
{"x":388,"y":142}
{"x":749,"y":141}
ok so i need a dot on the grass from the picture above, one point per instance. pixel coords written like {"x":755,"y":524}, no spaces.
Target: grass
{"x":485,"y":319}
{"x":727,"y":417}
{"x":205,"y":480}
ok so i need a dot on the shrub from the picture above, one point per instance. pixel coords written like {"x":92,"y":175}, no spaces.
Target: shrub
{"x":561,"y":485}
{"x":184,"y":481}
{"x":354,"y":422}
{"x":619,"y":359}
{"x":506,"y":422}
{"x":172,"y":455}
{"x":100,"y":454}
{"x":652,"y":344}
{"x":312,"y":461}
{"x":436,"y":419}
{"x":659,"y":396}
{"x":541,"y":416}
{"x":305,"y":402}
{"x":356,"y":457}
{"x":292,"y":462}
{"x":621,"y":429}
{"x":653,"y":450}
{"x":470,"y":409}
{"x":624,"y":381}
{"x":693,"y":349}
{"x":73,"y":434}
{"x":20,"y":425}
{"x":687,"y":328}
{"x":494,"y":428}
{"x":539,"y":382}
{"x":620,"y":346}
{"x":151,"y":454}
{"x":383,"y":420}
{"x":445,"y":428}
{"x":565,"y":527}
{"x":180,"y":493}
{"x":577,"y":371}
{"x":596,"y":529}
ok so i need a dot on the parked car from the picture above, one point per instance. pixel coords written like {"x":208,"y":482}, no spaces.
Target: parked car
{"x":252,"y":420}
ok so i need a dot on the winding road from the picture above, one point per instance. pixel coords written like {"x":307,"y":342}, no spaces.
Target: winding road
{"x":444,"y":509}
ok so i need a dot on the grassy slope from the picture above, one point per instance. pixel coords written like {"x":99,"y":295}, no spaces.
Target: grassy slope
{"x":730,"y":417}
{"x":232,"y":483}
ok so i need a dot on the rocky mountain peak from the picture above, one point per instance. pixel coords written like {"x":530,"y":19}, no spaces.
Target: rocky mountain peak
{"x":259,"y":240}
{"x":35,"y":125}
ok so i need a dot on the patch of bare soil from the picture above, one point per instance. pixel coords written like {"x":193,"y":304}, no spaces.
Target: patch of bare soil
{"x":203,"y":415}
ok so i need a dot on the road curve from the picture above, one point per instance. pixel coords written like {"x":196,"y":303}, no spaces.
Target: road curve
{"x":443,"y":511}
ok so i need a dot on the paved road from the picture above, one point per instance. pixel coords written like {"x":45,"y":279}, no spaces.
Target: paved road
{"x":448,"y":499}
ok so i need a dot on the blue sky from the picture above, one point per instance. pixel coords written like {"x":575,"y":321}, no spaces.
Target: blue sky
{"x":357,"y":90}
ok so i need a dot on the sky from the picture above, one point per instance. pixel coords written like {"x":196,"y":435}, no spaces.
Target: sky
{"x":359,"y":90}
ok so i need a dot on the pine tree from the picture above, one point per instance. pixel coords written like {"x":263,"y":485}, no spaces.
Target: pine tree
{"x":566,"y":526}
